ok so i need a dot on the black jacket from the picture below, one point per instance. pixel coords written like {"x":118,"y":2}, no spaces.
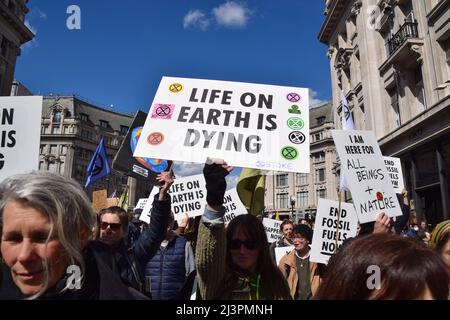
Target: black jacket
{"x":131,"y":261}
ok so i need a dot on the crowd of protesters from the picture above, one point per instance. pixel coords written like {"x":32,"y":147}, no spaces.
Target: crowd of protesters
{"x":54,"y":246}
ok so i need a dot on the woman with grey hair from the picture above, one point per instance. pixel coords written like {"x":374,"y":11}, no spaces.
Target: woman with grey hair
{"x":46,"y":223}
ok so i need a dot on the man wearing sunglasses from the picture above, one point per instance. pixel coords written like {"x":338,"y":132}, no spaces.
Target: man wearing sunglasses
{"x":131,"y":260}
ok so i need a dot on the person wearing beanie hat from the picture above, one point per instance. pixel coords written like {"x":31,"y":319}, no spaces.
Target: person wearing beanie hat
{"x":440,"y":240}
{"x":303,"y":276}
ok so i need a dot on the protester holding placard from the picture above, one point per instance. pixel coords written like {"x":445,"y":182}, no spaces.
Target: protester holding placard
{"x":236,"y":263}
{"x":302,"y":275}
{"x":171,"y":266}
{"x":286,"y":240}
{"x":113,"y":229}
{"x":46,"y":243}
{"x":385,"y":267}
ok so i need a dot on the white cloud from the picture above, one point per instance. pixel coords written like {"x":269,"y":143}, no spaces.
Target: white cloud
{"x":41,"y":14}
{"x":313,"y":99}
{"x":185,"y":169}
{"x":231,"y":14}
{"x":196,"y":18}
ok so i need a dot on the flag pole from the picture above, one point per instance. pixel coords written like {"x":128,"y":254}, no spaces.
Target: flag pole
{"x":338,"y":219}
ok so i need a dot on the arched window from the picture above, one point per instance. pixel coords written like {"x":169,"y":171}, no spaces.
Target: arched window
{"x":56,"y":117}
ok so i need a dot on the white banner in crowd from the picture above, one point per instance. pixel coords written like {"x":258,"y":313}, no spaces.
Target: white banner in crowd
{"x":248,"y":125}
{"x":394,"y":169}
{"x":324,"y":236}
{"x":189,"y":196}
{"x":272,"y":228}
{"x":366,"y":174}
{"x":280,"y":252}
{"x":20,"y":119}
{"x":233,"y":205}
{"x":141,"y":203}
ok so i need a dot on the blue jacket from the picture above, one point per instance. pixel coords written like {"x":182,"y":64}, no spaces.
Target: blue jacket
{"x":131,"y":261}
{"x":169,"y":269}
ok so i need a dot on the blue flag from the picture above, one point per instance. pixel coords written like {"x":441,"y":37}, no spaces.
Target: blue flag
{"x":99,"y":166}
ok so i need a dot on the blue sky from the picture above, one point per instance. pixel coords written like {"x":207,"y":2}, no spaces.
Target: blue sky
{"x":125,"y":47}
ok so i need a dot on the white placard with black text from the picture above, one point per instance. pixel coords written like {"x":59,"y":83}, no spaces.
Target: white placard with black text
{"x":20,"y":119}
{"x":248,"y":125}
{"x":366,"y":174}
{"x":326,"y":237}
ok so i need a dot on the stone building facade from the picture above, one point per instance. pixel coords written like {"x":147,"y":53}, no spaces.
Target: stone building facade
{"x":70,"y":132}
{"x":391,"y":58}
{"x":13,"y":34}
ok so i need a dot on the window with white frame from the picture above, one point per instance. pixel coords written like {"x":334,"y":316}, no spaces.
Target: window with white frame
{"x":301,"y":179}
{"x":282,"y":200}
{"x":321,"y":194}
{"x":302,"y":199}
{"x":320,"y":175}
{"x":282,"y":180}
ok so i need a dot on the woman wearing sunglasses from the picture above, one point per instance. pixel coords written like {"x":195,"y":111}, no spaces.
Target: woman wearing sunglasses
{"x":234,"y":263}
{"x":46,"y":223}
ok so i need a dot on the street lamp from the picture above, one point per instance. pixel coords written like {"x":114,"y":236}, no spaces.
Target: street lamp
{"x":292,"y":206}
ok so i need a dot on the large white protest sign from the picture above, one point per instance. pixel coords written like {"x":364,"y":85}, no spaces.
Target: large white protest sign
{"x":20,"y":119}
{"x":364,"y":170}
{"x":248,"y":125}
{"x":325,"y":231}
{"x":394,"y":169}
{"x":189,"y":196}
{"x":280,"y":252}
{"x":272,"y":228}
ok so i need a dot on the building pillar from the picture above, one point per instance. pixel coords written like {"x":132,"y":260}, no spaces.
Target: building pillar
{"x":416,"y":197}
{"x":443,"y":184}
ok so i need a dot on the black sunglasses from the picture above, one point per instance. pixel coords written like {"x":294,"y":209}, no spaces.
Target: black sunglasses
{"x":236,"y":244}
{"x":113,"y":226}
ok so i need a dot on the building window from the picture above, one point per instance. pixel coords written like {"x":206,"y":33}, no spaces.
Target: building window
{"x":322,"y":193}
{"x":282,"y":180}
{"x":320,"y":175}
{"x":282,"y":200}
{"x":320,"y":120}
{"x":42,"y":149}
{"x":319,"y":157}
{"x":302,"y":199}
{"x":84,"y":117}
{"x":61,"y":167}
{"x":56,"y":117}
{"x":395,"y":108}
{"x":103,"y":124}
{"x":318,"y":136}
{"x":43,"y":129}
{"x":56,"y":130}
{"x":124,"y":129}
{"x":42,"y":165}
{"x":420,"y":90}
{"x":302,"y":179}
{"x":53,"y":167}
{"x":63,"y":150}
{"x":53,"y":149}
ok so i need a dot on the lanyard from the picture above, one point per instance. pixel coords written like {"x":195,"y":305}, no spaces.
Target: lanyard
{"x":252,"y":284}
